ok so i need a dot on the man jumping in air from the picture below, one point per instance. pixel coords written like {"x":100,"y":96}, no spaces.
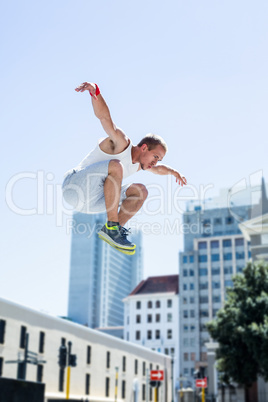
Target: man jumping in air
{"x":95,"y":185}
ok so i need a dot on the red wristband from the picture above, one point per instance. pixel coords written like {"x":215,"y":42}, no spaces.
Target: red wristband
{"x":97,"y":91}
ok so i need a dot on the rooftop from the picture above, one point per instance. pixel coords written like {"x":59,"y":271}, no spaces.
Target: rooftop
{"x":157,"y":284}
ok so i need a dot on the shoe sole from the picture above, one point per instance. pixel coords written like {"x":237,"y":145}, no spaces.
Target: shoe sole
{"x":122,"y":250}
{"x":107,"y":238}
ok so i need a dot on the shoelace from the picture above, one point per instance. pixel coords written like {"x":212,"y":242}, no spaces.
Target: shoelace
{"x":124,"y":232}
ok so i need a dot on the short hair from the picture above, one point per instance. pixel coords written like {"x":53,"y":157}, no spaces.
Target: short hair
{"x":152,"y":140}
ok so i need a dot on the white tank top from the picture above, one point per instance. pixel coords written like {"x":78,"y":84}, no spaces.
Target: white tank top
{"x":97,"y":155}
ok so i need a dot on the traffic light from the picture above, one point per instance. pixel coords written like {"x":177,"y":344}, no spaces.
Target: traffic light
{"x":155,"y":384}
{"x":72,"y":360}
{"x":62,"y":356}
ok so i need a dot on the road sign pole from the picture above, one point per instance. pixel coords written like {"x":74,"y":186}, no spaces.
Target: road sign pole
{"x":203,"y":394}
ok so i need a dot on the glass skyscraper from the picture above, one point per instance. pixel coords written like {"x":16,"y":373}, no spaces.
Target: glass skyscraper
{"x":100,"y":276}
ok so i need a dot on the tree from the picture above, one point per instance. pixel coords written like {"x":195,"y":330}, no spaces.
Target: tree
{"x":241,"y":327}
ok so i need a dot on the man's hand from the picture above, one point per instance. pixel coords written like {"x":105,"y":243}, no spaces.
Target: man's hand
{"x":87,"y":86}
{"x":180,"y":179}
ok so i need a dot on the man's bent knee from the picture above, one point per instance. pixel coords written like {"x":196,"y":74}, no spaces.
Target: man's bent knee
{"x":139,"y":190}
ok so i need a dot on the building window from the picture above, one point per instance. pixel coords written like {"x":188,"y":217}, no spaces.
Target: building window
{"x":1,"y":366}
{"x":192,"y":313}
{"x":41,"y":342}
{"x":217,"y":221}
{"x":185,"y":341}
{"x":151,"y":393}
{"x":169,"y":334}
{"x":203,"y":313}
{"x":239,"y":242}
{"x":240,"y":256}
{"x":184,"y":300}
{"x":169,"y":317}
{"x":123,"y":391}
{"x":216,"y":285}
{"x":107,"y":386}
{"x":192,"y":300}
{"x":149,"y":334}
{"x":191,"y":286}
{"x":185,"y":313}
{"x":202,"y":245}
{"x":138,"y":335}
{"x":203,"y":356}
{"x":192,"y":328}
{"x":138,"y":319}
{"x":144,"y":369}
{"x":186,"y":371}
{"x":203,"y":299}
{"x":23,"y":331}
{"x":87,"y":391}
{"x":215,"y":257}
{"x":2,"y":331}
{"x":127,"y":336}
{"x":191,"y":258}
{"x":39,"y":376}
{"x":149,"y":304}
{"x":136,"y":366}
{"x":203,"y":285}
{"x":191,"y":272}
{"x":227,"y":256}
{"x":185,"y":328}
{"x":216,"y":299}
{"x":202,"y":258}
{"x":185,"y":286}
{"x":143,"y":392}
{"x":193,"y":357}
{"x":229,"y":220}
{"x":158,"y":304}
{"x":138,"y":305}
{"x":185,"y":272}
{"x":184,"y":259}
{"x":149,"y":318}
{"x":166,"y":351}
{"x":214,"y":244}
{"x":185,"y":357}
{"x":239,"y":269}
{"x":227,"y":243}
{"x":124,"y":362}
{"x":89,"y":355}
{"x":157,"y":318}
{"x":215,"y":271}
{"x":228,"y":283}
{"x":169,"y":303}
{"x":157,"y":334}
{"x":108,"y":356}
{"x":203,"y":271}
{"x":192,"y":341}
{"x":228,"y":270}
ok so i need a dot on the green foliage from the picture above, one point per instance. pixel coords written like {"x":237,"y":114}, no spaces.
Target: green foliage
{"x":241,"y":327}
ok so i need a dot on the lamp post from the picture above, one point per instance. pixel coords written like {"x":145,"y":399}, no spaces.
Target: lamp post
{"x":172,"y":375}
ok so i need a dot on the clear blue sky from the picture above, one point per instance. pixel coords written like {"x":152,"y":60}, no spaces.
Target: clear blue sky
{"x":194,"y":72}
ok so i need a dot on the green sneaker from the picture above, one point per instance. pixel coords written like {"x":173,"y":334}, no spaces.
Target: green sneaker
{"x":116,"y":236}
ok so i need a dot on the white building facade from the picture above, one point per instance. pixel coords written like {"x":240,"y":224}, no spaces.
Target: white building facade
{"x":152,"y":317}
{"x":99,"y":356}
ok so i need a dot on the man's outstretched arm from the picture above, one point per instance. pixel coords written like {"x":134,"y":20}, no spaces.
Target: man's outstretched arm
{"x":165,"y":170}
{"x":102,"y":112}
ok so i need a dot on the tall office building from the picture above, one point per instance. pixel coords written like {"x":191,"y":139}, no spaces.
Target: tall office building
{"x":214,"y":250}
{"x":100,"y":276}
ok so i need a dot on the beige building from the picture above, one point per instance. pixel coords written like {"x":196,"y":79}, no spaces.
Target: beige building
{"x":99,"y":356}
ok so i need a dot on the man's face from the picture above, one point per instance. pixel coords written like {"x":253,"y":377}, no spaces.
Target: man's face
{"x":148,"y":158}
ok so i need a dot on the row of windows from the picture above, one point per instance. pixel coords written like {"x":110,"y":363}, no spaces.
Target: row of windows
{"x":239,"y":255}
{"x":150,"y":318}
{"x":150,"y":304}
{"x":150,"y":334}
{"x":23,"y":337}
{"x":216,"y":244}
{"x":214,"y":271}
{"x":202,"y":313}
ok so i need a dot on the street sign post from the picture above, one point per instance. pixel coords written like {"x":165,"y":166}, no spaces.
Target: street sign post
{"x":157,"y":375}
